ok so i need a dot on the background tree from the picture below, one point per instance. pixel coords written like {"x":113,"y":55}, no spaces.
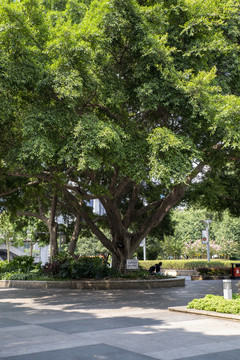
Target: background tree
{"x":171,"y":247}
{"x":187,"y":233}
{"x":9,"y":233}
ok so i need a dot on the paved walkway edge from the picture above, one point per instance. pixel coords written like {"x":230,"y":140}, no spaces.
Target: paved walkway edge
{"x":204,"y":312}
{"x":94,"y":284}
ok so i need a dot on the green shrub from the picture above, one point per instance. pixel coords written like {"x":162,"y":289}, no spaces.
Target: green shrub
{"x":86,"y":267}
{"x":3,"y":266}
{"x":186,"y":264}
{"x":17,"y":275}
{"x":216,"y":303}
{"x":18,"y":263}
{"x":66,"y":267}
{"x":59,"y":266}
{"x":92,"y":267}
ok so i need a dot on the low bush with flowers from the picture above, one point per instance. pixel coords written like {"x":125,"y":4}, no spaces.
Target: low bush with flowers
{"x":196,"y":249}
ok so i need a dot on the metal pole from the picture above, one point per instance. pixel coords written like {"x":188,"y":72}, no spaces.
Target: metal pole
{"x":31,"y":248}
{"x":144,"y":250}
{"x":8,"y":248}
{"x":208,"y":250}
{"x":207,"y":233}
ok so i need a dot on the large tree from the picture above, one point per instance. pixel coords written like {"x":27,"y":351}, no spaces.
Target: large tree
{"x":122,"y":101}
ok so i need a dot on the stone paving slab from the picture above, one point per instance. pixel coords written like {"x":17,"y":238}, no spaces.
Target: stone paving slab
{"x":92,"y":352}
{"x":116,"y":324}
{"x":227,"y":355}
{"x":89,"y":325}
{"x":6,"y":322}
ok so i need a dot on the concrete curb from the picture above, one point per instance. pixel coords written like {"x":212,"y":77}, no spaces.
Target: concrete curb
{"x":94,"y":284}
{"x":206,"y":277}
{"x":184,"y":309}
{"x":179,"y":272}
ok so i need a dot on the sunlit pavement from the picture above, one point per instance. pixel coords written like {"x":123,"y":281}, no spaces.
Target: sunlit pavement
{"x":114,"y":325}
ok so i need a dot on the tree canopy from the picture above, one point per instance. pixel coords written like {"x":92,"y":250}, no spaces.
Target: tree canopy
{"x":122,"y":101}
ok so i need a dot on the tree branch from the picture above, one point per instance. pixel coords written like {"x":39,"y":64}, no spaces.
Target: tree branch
{"x":32,"y":214}
{"x":131,"y":206}
{"x":53,"y":210}
{"x":74,"y":202}
{"x":18,"y":188}
{"x":148,"y":207}
{"x":122,"y":189}
{"x":165,"y":205}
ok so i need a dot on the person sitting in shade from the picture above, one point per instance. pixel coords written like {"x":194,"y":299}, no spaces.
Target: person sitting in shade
{"x":152,"y":269}
{"x":158,"y":268}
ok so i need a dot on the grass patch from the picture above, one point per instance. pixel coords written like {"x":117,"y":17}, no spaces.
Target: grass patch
{"x":217,"y":303}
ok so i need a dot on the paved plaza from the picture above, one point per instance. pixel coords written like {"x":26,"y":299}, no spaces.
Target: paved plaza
{"x":113,"y":325}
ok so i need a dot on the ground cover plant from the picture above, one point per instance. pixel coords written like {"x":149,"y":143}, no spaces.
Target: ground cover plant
{"x":217,"y":303}
{"x":20,"y":268}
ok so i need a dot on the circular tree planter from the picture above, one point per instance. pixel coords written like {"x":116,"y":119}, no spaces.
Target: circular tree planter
{"x":95,"y":284}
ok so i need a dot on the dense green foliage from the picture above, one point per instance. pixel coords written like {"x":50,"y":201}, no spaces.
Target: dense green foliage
{"x":9,"y":233}
{"x":216,"y":303}
{"x":60,"y":267}
{"x":20,"y":268}
{"x":66,"y":267}
{"x":21,"y":263}
{"x":189,"y":222}
{"x":186,"y":233}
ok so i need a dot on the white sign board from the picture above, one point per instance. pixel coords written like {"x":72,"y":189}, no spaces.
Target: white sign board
{"x":204,"y":236}
{"x":132,"y":264}
{"x":142,"y":243}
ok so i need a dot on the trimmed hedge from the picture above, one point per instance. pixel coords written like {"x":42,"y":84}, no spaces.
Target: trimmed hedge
{"x":187,"y":264}
{"x":217,"y":303}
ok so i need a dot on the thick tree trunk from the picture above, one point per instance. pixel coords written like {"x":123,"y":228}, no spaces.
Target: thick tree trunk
{"x":75,"y":235}
{"x":122,"y":250}
{"x":53,"y":228}
{"x":53,"y":239}
{"x":119,"y":260}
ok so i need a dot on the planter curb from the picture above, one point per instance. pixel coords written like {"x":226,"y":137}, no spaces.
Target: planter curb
{"x":184,"y":309}
{"x":208,"y":277}
{"x":179,"y":272}
{"x":94,"y":284}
